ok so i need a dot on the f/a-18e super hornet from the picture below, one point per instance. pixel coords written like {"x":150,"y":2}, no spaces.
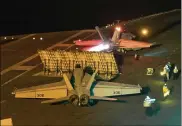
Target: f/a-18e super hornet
{"x":124,"y":43}
{"x":80,"y":89}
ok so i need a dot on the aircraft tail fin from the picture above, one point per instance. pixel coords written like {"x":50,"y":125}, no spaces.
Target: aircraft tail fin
{"x":100,"y":34}
{"x":67,"y":81}
{"x":91,"y":80}
{"x":103,"y":98}
{"x":55,"y":100}
{"x":116,"y":34}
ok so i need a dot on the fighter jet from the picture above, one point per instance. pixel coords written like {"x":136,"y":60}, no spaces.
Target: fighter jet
{"x":79,"y":92}
{"x":124,"y":43}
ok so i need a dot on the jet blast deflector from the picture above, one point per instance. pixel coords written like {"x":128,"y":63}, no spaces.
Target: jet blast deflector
{"x":57,"y":62}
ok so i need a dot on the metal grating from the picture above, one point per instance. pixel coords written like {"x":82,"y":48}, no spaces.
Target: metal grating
{"x":62,"y":61}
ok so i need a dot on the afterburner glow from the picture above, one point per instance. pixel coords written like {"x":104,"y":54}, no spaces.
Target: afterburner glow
{"x":99,"y":47}
{"x":118,"y":28}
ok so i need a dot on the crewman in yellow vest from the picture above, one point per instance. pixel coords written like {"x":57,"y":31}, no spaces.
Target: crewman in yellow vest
{"x":166,"y":91}
{"x":175,"y":73}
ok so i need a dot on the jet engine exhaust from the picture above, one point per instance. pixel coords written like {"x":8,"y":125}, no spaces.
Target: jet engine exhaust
{"x":74,"y":99}
{"x":84,"y":99}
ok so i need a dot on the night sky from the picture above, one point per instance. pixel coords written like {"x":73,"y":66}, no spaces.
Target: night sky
{"x":51,"y":15}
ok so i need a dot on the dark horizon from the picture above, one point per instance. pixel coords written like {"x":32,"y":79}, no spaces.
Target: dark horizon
{"x":23,"y":17}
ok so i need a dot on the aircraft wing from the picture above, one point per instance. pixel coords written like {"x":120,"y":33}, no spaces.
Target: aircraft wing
{"x":102,"y":98}
{"x":87,"y":42}
{"x":124,"y":43}
{"x":52,"y":90}
{"x":55,"y":100}
{"x":103,"y":88}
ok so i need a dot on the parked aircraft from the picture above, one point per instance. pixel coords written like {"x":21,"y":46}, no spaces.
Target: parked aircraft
{"x":80,"y":92}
